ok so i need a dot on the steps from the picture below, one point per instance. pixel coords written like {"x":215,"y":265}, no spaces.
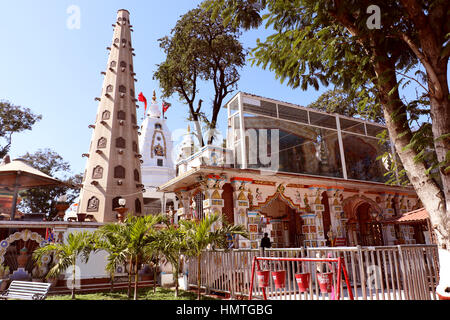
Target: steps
{"x":62,"y":289}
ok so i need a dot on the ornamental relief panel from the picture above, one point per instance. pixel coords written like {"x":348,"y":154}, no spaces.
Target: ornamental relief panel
{"x":97,"y":173}
{"x":93,"y":205}
{"x":158,"y":148}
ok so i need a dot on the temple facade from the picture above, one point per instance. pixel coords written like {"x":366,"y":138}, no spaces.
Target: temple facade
{"x":157,"y":164}
{"x":307,"y":178}
{"x":113,"y":169}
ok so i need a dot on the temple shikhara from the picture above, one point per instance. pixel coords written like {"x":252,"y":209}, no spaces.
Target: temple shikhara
{"x":157,"y":165}
{"x":113,"y":169}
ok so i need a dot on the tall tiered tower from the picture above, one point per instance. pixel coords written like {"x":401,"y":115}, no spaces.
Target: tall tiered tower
{"x":113,"y":168}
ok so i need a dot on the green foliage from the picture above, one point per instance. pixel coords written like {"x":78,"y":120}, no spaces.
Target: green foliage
{"x":128,"y":242}
{"x":200,"y":49}
{"x":329,"y":43}
{"x":43,"y":199}
{"x":351,"y":104}
{"x":170,"y":242}
{"x":14,"y":119}
{"x":200,"y":235}
{"x":65,"y":255}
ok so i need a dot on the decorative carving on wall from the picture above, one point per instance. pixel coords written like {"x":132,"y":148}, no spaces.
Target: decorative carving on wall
{"x":164,"y":146}
{"x":158,"y":150}
{"x":93,"y":205}
{"x":97,"y":173}
{"x":102,"y":143}
{"x":110,"y":88}
{"x":24,"y":235}
{"x":106,"y":115}
{"x":352,"y":203}
{"x":278,"y":194}
{"x":264,"y":183}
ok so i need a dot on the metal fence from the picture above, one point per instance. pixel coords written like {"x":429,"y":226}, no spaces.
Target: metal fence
{"x":407,"y":272}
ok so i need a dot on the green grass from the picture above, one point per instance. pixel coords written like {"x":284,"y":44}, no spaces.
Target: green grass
{"x":143,"y":294}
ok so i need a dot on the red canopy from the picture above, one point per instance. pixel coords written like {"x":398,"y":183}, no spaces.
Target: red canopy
{"x":420,"y":215}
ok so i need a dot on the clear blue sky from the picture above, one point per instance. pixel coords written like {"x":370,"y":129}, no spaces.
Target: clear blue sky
{"x":55,"y":71}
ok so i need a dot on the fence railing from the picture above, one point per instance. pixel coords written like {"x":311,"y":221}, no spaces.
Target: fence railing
{"x":407,"y":272}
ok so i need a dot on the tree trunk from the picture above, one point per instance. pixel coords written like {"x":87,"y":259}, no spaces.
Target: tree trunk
{"x":154,"y":275}
{"x":112,"y":282}
{"x":73,"y":281}
{"x":129,"y":277}
{"x":199,"y":275}
{"x":433,"y":198}
{"x":177,"y":275}
{"x":136,"y":279}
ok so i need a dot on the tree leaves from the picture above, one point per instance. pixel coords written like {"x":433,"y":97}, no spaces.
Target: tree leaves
{"x":43,"y":199}
{"x":14,"y":119}
{"x":200,"y":49}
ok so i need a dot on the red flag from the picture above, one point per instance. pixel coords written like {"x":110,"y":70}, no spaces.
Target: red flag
{"x":165,"y":106}
{"x":142,"y":98}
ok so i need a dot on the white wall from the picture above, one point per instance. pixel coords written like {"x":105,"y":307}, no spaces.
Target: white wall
{"x":95,"y":268}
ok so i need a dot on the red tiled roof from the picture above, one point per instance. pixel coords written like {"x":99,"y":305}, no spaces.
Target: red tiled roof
{"x":413,"y":216}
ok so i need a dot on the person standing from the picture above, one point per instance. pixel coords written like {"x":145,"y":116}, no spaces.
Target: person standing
{"x":265,"y":243}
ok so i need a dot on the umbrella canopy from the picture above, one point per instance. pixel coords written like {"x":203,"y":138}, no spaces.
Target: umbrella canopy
{"x":19,"y":175}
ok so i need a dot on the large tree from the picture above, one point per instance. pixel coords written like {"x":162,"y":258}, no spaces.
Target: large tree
{"x":340,"y":42}
{"x":200,"y":49}
{"x":14,"y":119}
{"x":376,"y":47}
{"x":44,"y":199}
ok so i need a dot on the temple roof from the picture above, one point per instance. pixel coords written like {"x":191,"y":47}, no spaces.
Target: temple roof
{"x":420,"y":215}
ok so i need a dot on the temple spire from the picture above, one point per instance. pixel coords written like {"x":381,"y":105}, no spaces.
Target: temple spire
{"x":113,"y":168}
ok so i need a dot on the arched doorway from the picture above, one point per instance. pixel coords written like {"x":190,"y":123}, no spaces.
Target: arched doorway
{"x":364,"y":230}
{"x":286,"y":224}
{"x":362,"y":227}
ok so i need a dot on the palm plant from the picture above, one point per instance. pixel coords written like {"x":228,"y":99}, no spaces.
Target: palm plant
{"x":77,"y":245}
{"x":171,"y":243}
{"x":199,"y":235}
{"x":139,"y":232}
{"x":110,"y":238}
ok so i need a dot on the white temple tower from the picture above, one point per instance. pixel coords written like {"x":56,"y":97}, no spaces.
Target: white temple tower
{"x":113,"y":168}
{"x":157,"y":166}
